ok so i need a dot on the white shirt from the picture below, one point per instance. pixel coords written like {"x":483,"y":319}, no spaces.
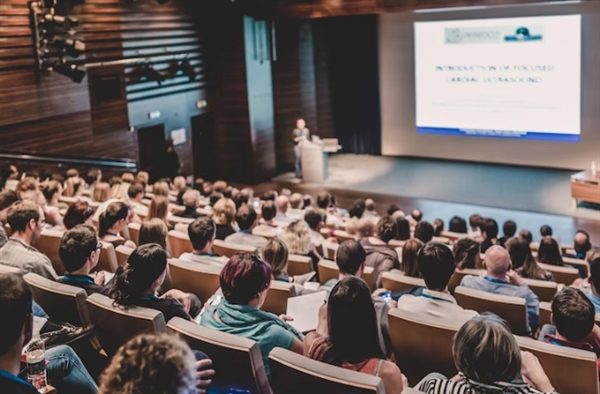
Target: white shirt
{"x":437,"y":305}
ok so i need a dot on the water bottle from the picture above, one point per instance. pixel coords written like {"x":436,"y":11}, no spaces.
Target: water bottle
{"x":36,"y":365}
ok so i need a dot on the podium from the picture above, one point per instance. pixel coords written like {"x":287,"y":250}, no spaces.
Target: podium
{"x":315,"y":157}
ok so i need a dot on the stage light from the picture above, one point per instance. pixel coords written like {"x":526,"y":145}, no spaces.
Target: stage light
{"x":70,"y":70}
{"x":71,"y":47}
{"x":65,"y":22}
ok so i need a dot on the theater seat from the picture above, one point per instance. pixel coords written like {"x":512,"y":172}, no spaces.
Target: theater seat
{"x":49,"y":244}
{"x":511,"y":309}
{"x":545,"y":290}
{"x":123,"y":253}
{"x":329,"y":270}
{"x":176,"y":219}
{"x":581,"y":265}
{"x":342,"y":235}
{"x":194,"y":278}
{"x":108,"y":258}
{"x":267,"y":234}
{"x":396,"y":282}
{"x":396,"y":243}
{"x":453,"y":236}
{"x":115,"y":324}
{"x":180,"y":243}
{"x":545,"y":313}
{"x":299,"y":265}
{"x":459,"y":275}
{"x":134,"y":232}
{"x":570,"y":370}
{"x":239,"y":357}
{"x":63,"y":303}
{"x":292,"y":373}
{"x":228,"y":249}
{"x":277,"y":297}
{"x":566,"y":275}
{"x":329,"y":249}
{"x":421,"y":345}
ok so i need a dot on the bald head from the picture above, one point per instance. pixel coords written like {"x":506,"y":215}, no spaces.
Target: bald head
{"x":281,"y":203}
{"x":369,"y":204}
{"x":497,"y":261}
{"x":296,"y":200}
{"x":581,"y":242}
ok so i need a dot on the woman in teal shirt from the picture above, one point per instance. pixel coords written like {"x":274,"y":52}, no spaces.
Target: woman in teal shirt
{"x":245,"y":280}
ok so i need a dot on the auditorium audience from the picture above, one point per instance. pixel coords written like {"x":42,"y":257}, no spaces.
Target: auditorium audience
{"x":79,"y":252}
{"x":527,"y":235}
{"x":26,"y":220}
{"x":80,"y":212}
{"x":159,"y":209}
{"x":436,"y":266}
{"x":73,"y":186}
{"x":112,"y":222}
{"x":282,"y":204}
{"x":549,"y":252}
{"x":409,"y":258}
{"x":348,"y":335}
{"x":381,"y":257}
{"x":424,"y":232}
{"x":357,"y":210}
{"x":403,"y":228}
{"x":523,"y":261}
{"x":101,"y":192}
{"x":92,"y":178}
{"x":246,"y":220}
{"x":244,"y":282}
{"x":489,"y":360}
{"x":438,"y":227}
{"x":466,"y":254}
{"x":581,"y":244}
{"x":135,"y":194}
{"x":202,"y":236}
{"x":191,"y":201}
{"x":458,"y":225}
{"x":223,"y":214}
{"x":509,"y":229}
{"x":502,"y":279}
{"x":324,"y":202}
{"x":489,"y":233}
{"x":275,"y":254}
{"x":546,"y":231}
{"x":137,"y":284}
{"x":154,"y":231}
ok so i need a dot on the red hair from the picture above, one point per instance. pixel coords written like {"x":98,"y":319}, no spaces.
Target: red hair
{"x":244,"y":277}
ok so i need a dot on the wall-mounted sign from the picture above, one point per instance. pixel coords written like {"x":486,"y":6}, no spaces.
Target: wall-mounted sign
{"x":178,"y":136}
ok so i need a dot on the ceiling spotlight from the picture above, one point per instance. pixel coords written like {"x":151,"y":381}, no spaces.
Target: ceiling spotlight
{"x":72,"y":47}
{"x":70,"y":70}
{"x":66,"y":22}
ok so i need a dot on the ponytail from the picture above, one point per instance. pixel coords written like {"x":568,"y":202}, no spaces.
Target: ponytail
{"x":113,"y":213}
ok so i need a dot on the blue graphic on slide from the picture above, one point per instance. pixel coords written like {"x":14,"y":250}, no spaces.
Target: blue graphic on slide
{"x":524,"y":135}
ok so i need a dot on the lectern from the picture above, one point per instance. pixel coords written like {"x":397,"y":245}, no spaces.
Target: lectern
{"x":315,"y":157}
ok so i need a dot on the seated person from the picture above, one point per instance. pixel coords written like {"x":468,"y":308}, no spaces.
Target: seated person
{"x":466,"y":254}
{"x":246,"y":219}
{"x":223,"y":214}
{"x":64,"y":369}
{"x":267,"y":222}
{"x":436,"y":265}
{"x":370,"y":211}
{"x":191,"y":201}
{"x":169,"y":367}
{"x":79,"y":252}
{"x":458,"y":225}
{"x":315,"y":220}
{"x":79,"y":212}
{"x":112,"y":222}
{"x":509,"y":229}
{"x":325,"y":203}
{"x":424,"y":232}
{"x":581,"y":244}
{"x":202,"y":233}
{"x":282,"y":204}
{"x":154,"y":231}
{"x":135,"y":194}
{"x":527,"y":235}
{"x":409,"y":258}
{"x":489,"y":233}
{"x":26,"y":220}
{"x":489,"y":360}
{"x":380,"y":256}
{"x":523,"y":261}
{"x":137,"y":283}
{"x":572,"y":322}
{"x":245,"y":281}
{"x":296,"y":237}
{"x":348,"y":336}
{"x":403,"y":226}
{"x":502,"y":279}
{"x":295,"y":210}
{"x":594,"y":281}
{"x":275,"y":254}
{"x":549,"y":252}
{"x":438,"y":227}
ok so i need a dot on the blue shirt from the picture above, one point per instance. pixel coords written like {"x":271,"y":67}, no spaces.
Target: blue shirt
{"x":595,"y":301}
{"x":502,"y":287}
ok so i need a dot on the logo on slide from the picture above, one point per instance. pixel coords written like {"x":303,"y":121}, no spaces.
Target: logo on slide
{"x":523,"y":34}
{"x":488,"y":35}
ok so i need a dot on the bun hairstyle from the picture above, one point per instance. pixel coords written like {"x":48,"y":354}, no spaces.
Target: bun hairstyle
{"x":113,"y":213}
{"x":145,"y":264}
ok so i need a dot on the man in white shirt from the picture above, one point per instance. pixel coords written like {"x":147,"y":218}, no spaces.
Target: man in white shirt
{"x":436,"y":265}
{"x":202,"y":235}
{"x":246,"y":219}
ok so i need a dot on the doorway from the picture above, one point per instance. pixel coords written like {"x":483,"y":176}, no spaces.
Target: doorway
{"x":151,"y":148}
{"x":205,"y":160}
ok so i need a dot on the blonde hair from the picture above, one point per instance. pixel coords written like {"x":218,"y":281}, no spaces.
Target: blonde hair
{"x":142,"y":177}
{"x":179,"y":183}
{"x":160,"y":189}
{"x":275,"y":254}
{"x":153,"y":231}
{"x":159,"y":208}
{"x":191,"y":198}
{"x":223,"y":212}
{"x":296,"y":237}
{"x":157,"y":364}
{"x":365,"y":228}
{"x":101,"y":192}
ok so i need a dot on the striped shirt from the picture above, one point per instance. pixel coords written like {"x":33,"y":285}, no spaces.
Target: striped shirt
{"x":466,"y":386}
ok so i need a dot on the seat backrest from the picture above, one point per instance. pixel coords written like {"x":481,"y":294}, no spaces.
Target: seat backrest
{"x":570,"y":370}
{"x":396,"y":243}
{"x":115,"y":325}
{"x":123,"y":253}
{"x":194,"y":278}
{"x":240,"y":357}
{"x":396,"y":282}
{"x":566,"y":275}
{"x":453,"y":236}
{"x":176,"y":219}
{"x":134,"y":232}
{"x":299,"y":265}
{"x":459,"y":275}
{"x":180,"y":243}
{"x":580,"y":264}
{"x":342,"y":235}
{"x":329,"y":270}
{"x":292,"y":373}
{"x":511,"y":309}
{"x":277,"y":297}
{"x":545,"y":290}
{"x":267,"y":234}
{"x":442,"y":240}
{"x":228,"y":249}
{"x":108,"y":258}
{"x":421,"y":345}
{"x":63,"y":303}
{"x":49,"y":244}
{"x":329,"y":249}
{"x":9,"y":269}
{"x":545,"y":313}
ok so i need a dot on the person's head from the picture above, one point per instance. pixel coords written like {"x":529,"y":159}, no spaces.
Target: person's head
{"x":17,"y":318}
{"x":573,"y":314}
{"x":393,"y":209}
{"x":424,"y":232}
{"x":275,"y":254}
{"x":269,"y":195}
{"x":147,"y":363}
{"x":581,"y":242}
{"x":114,"y":181}
{"x":410,"y":250}
{"x":323,"y":200}
{"x":296,"y":237}
{"x":202,"y":233}
{"x":403,"y":227}
{"x":101,"y":192}
{"x":387,"y":229}
{"x":7,"y":198}
{"x":466,"y":254}
{"x":315,"y":219}
{"x":296,"y":201}
{"x":436,"y":265}
{"x":113,"y":219}
{"x":245,"y":280}
{"x":509,"y":229}
{"x":27,"y":183}
{"x":241,"y":198}
{"x":153,"y":231}
{"x":135,"y":192}
{"x":179,"y":183}
{"x":489,"y":228}
{"x":159,"y":208}
{"x":223,"y":212}
{"x":474,"y":221}
{"x":486,"y":351}
{"x":545,"y":230}
{"x":169,"y":144}
{"x":127,"y":177}
{"x":93,"y":176}
{"x":308,"y":201}
{"x":9,"y":171}
{"x":300,"y":124}
{"x":497,"y":261}
{"x":438,"y":227}
{"x":26,"y":218}
{"x":73,"y":186}
{"x":281,"y":203}
{"x":352,"y":324}
{"x":549,"y":252}
{"x":526,"y":234}
{"x":79,"y":212}
{"x":458,"y":225}
{"x":365,"y":228}
{"x":142,"y":177}
{"x":246,"y":217}
{"x":522,"y":258}
{"x":358,"y":209}
{"x":72,"y":173}
{"x":370,"y":204}
{"x":160,"y":188}
{"x":268,"y":211}
{"x":350,"y":258}
{"x":417,"y":215}
{"x":191,"y":199}
{"x":595,"y":275}
{"x":52,"y":191}
{"x":144,"y":273}
{"x":79,"y":249}
{"x":214,"y":198}
{"x":220,"y":186}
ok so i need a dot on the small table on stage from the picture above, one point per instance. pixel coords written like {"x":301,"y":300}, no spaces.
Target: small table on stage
{"x":315,"y":158}
{"x":585,"y":186}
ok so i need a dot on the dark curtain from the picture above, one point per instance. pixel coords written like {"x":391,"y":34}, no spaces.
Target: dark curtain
{"x":352,"y":46}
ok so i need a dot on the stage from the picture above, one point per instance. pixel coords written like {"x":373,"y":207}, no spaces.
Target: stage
{"x":530,"y":196}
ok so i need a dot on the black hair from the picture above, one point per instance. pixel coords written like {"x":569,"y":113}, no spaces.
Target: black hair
{"x":424,"y":232}
{"x":489,"y":227}
{"x":465,"y":252}
{"x":549,"y":252}
{"x":8,"y":198}
{"x":595,"y":273}
{"x":357,"y":209}
{"x":323,"y":200}
{"x":458,"y":225}
{"x":201,"y":231}
{"x":417,"y":215}
{"x":15,"y":307}
{"x":573,"y":314}
{"x":436,"y":265}
{"x":245,"y":217}
{"x":350,"y":255}
{"x":509,"y":229}
{"x":392,"y":209}
{"x":403,"y":228}
{"x":268,"y":210}
{"x":313,"y":217}
{"x":76,"y":245}
{"x":545,"y":230}
{"x":114,"y":212}
{"x":214,"y":197}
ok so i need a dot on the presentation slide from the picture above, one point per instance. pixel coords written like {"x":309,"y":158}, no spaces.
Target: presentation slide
{"x":516,"y":78}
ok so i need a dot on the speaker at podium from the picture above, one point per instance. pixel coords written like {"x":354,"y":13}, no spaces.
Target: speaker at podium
{"x":315,"y":157}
